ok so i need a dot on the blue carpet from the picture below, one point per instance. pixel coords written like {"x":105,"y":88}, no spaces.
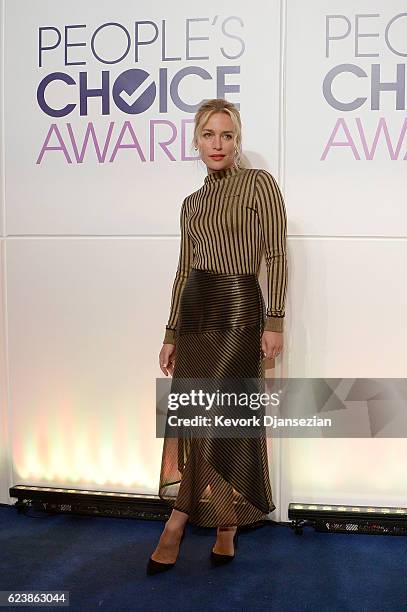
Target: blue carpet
{"x":101,"y":561}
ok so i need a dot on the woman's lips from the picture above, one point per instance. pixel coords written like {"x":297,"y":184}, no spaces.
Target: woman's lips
{"x":217,"y":156}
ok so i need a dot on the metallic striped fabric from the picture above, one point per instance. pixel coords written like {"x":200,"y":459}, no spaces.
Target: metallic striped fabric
{"x":218,"y":481}
{"x":237,"y":215}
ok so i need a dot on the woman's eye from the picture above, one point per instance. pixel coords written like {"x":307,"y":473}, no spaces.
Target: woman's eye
{"x":209,"y":135}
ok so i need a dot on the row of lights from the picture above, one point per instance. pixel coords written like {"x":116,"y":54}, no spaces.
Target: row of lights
{"x":80,"y":491}
{"x":394,"y":510}
{"x":349,"y":509}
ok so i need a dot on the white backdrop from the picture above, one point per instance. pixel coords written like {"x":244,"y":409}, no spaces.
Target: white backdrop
{"x":85,"y":231}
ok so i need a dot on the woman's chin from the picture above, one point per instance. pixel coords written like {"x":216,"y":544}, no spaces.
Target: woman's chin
{"x":213,"y":164}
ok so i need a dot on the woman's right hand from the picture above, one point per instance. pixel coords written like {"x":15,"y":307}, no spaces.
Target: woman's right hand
{"x":167,"y":359}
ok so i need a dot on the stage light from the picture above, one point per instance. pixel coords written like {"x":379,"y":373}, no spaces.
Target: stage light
{"x":83,"y":501}
{"x":348,"y":519}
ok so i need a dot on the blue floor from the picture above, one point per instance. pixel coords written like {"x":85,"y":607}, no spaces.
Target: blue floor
{"x":101,"y":561}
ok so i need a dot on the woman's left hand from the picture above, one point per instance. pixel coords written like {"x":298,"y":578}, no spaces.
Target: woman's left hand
{"x":271,"y":344}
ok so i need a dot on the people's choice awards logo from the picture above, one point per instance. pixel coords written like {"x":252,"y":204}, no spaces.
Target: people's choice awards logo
{"x":81,"y":86}
{"x":364,"y":78}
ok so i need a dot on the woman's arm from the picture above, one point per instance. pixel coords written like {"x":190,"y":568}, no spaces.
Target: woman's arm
{"x":273,"y":222}
{"x":183,"y":269}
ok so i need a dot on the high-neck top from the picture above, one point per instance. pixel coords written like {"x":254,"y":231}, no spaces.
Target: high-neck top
{"x":226,"y":226}
{"x":221,"y":174}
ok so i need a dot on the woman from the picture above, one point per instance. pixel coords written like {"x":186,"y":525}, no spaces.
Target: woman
{"x":219,"y":328}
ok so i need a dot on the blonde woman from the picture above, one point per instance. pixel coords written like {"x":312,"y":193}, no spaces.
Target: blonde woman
{"x":219,"y":327}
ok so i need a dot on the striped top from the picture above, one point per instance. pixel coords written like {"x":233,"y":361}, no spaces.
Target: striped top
{"x":226,"y":226}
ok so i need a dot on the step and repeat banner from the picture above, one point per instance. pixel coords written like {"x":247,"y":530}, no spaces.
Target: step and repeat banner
{"x":100,"y":106}
{"x":346,"y":131}
{"x":99,"y":99}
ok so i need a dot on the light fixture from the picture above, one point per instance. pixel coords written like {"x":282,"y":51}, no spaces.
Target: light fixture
{"x":348,"y":519}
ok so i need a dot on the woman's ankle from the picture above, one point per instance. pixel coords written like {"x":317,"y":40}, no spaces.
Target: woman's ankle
{"x":227,"y":528}
{"x":177,"y":520}
{"x":175,"y":528}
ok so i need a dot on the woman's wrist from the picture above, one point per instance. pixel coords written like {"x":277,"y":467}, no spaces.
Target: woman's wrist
{"x":169,"y":337}
{"x":275,"y":324}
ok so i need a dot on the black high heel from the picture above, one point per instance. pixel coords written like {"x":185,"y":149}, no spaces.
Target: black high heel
{"x":155,"y":567}
{"x":217,"y":559}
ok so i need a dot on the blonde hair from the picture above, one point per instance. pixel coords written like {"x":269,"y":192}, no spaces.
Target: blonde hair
{"x":219,"y":105}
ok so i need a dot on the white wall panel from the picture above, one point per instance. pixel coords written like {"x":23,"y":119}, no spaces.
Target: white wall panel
{"x":2,"y":203}
{"x":86,"y":324}
{"x":126,"y":194}
{"x":346,"y":308}
{"x":343,"y":471}
{"x":4,"y":449}
{"x":85,"y":317}
{"x":349,"y":192}
{"x":5,"y":464}
{"x":346,"y":318}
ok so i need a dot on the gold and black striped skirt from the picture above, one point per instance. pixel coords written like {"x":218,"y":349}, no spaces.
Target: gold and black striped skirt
{"x":218,"y":481}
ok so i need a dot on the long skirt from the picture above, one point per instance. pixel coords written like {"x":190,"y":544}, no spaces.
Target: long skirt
{"x":218,"y":481}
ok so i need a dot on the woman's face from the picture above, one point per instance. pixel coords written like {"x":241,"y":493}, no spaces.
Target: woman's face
{"x":216,"y":142}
